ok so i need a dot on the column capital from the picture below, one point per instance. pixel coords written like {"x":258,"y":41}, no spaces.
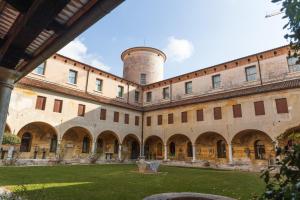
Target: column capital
{"x":8,"y":76}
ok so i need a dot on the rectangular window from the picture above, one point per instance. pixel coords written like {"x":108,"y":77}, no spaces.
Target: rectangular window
{"x":57,"y":106}
{"x":81,"y":110}
{"x":170,"y":118}
{"x":184,"y":117}
{"x":217,"y":113}
{"x":136,"y":96}
{"x":281,"y":105}
{"x":200,"y":116}
{"x":126,"y":119}
{"x":73,"y":76}
{"x":250,"y":73}
{"x":188,"y":87}
{"x":120,"y":91}
{"x":166,"y":93}
{"x":149,"y":96}
{"x":259,"y":108}
{"x":40,"y":103}
{"x":103,"y":114}
{"x":148,"y":121}
{"x":143,"y":79}
{"x":216,"y":81}
{"x":99,"y":84}
{"x":116,"y":116}
{"x":237,"y":110}
{"x":294,"y":66}
{"x":137,"y":120}
{"x":40,"y":69}
{"x":159,"y":119}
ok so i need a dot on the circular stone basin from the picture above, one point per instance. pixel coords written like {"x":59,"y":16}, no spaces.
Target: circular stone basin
{"x":186,"y":196}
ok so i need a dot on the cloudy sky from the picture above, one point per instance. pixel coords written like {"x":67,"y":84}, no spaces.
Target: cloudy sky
{"x":193,"y":33}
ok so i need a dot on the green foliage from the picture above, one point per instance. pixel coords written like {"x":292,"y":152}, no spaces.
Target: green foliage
{"x":291,"y":10}
{"x":285,"y":182}
{"x":11,"y":139}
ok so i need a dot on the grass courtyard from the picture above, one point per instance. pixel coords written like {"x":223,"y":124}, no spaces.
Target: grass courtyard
{"x":121,"y":182}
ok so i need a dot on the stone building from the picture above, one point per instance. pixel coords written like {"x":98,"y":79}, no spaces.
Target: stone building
{"x":232,"y":113}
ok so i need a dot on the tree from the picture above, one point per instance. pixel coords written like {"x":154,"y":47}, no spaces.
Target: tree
{"x":291,"y":10}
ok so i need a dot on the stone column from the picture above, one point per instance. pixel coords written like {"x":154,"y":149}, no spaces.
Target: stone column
{"x":7,"y":78}
{"x":230,"y":154}
{"x":94,"y":147}
{"x":166,"y":152}
{"x":120,"y":152}
{"x":194,"y":153}
{"x":58,"y":148}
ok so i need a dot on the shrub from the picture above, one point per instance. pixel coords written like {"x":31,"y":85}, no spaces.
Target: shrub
{"x":10,"y":139}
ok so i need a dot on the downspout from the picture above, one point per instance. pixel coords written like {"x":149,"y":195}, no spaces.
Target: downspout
{"x":259,"y":70}
{"x":171,"y":89}
{"x":127,"y":93}
{"x":142,"y":142}
{"x":87,"y":80}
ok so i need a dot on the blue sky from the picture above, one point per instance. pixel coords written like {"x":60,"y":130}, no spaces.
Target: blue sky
{"x":193,"y":33}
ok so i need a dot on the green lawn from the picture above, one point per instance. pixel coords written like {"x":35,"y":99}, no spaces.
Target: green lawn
{"x":122,"y":182}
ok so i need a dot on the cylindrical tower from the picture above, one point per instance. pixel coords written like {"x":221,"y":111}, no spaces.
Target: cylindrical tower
{"x":143,"y":65}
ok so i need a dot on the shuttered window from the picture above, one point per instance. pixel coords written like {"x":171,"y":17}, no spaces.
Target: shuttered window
{"x":40,"y":103}
{"x":159,"y":119}
{"x":281,"y":105}
{"x":103,"y":114}
{"x":57,"y":106}
{"x":126,"y":119}
{"x":170,"y":118}
{"x":259,"y":108}
{"x":81,"y":110}
{"x":237,"y":110}
{"x":137,"y":120}
{"x":116,"y":116}
{"x":149,"y":121}
{"x":184,"y":117}
{"x":200,"y":116}
{"x":217,"y":113}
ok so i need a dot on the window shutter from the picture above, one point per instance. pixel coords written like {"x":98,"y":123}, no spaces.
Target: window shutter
{"x":184,"y":117}
{"x":116,"y":116}
{"x":217,"y":113}
{"x":103,"y":114}
{"x":149,"y":121}
{"x":237,"y":110}
{"x":137,"y":120}
{"x":281,"y":105}
{"x":126,"y":120}
{"x":259,"y":108}
{"x":81,"y":110}
{"x":57,"y":106}
{"x":40,"y":103}
{"x":170,"y":118}
{"x":159,"y":120}
{"x":200,"y":116}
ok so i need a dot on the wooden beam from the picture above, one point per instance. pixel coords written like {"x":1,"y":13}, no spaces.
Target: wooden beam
{"x":26,"y":29}
{"x":22,"y":6}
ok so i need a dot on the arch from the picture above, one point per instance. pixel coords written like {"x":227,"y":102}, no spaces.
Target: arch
{"x":107,"y":145}
{"x":41,"y":143}
{"x":130,"y":147}
{"x":252,"y":146}
{"x":76,"y":143}
{"x":153,"y":148}
{"x":7,"y":129}
{"x":289,"y":137}
{"x":211,"y":146}
{"x":179,"y":143}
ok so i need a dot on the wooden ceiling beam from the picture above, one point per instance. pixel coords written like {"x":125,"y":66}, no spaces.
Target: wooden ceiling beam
{"x":39,"y":16}
{"x":20,"y":5}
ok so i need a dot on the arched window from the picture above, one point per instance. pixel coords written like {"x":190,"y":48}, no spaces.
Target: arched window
{"x":221,"y":149}
{"x":86,"y":144}
{"x":159,"y":149}
{"x":99,"y":145}
{"x":189,"y":149}
{"x":25,"y":142}
{"x":116,"y":146}
{"x":172,"y":149}
{"x":260,"y":151}
{"x":53,"y":144}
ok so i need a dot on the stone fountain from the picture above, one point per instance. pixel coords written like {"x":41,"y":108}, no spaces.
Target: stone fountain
{"x":150,"y":167}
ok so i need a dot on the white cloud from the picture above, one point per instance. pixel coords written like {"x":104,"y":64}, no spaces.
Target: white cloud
{"x":77,"y":50}
{"x":179,"y":49}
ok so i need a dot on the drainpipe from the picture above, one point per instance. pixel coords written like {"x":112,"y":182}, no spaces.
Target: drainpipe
{"x":142,"y":141}
{"x":87,"y":80}
{"x":259,"y":70}
{"x":127,"y":93}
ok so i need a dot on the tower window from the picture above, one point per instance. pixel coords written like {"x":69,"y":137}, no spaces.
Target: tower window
{"x":120,"y":91}
{"x":143,"y":79}
{"x":149,"y":96}
{"x":188,"y":87}
{"x":250,"y":73}
{"x":72,"y":76}
{"x":136,"y":96}
{"x":99,"y":84}
{"x":216,"y":81}
{"x":166,"y":93}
